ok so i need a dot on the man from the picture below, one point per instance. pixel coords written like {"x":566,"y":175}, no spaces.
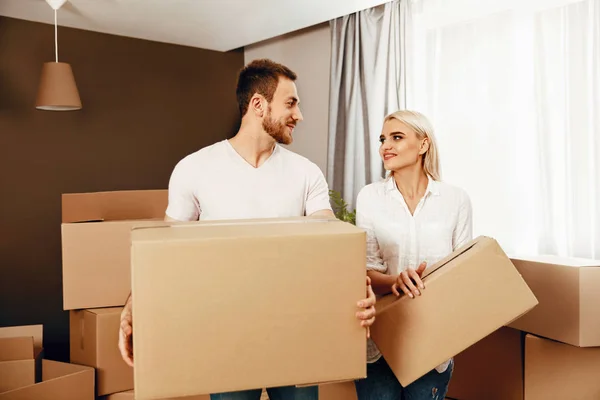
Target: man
{"x":252,"y":176}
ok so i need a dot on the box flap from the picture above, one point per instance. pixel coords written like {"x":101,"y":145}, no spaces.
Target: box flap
{"x":54,"y":369}
{"x":239,"y":222}
{"x":384,"y":302}
{"x":35,"y":331}
{"x":114,"y":206}
{"x":455,"y":254}
{"x":105,"y":310}
{"x":232,"y":229}
{"x":16,"y":348}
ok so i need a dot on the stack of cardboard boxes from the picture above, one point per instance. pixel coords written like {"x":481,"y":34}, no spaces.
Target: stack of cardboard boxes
{"x":96,"y":275}
{"x":552,"y":352}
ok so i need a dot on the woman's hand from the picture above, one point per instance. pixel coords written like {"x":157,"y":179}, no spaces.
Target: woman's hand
{"x":367,"y":315}
{"x":410,"y":282}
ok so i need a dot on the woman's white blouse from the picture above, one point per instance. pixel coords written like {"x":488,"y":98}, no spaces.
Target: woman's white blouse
{"x":397,"y":240}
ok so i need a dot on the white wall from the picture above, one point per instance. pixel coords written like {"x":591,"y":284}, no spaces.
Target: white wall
{"x":307,"y":52}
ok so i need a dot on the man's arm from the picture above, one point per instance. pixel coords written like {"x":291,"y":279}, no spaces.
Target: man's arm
{"x":181,"y":203}
{"x":126,"y":333}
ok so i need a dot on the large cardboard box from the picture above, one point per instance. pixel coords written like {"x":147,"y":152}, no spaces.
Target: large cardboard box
{"x":491,"y":369}
{"x":21,"y":355}
{"x":96,"y":243}
{"x":558,"y":371}
{"x":60,"y":381}
{"x":468,"y":295}
{"x":94,"y":335}
{"x":568,"y":290}
{"x":234,"y":305}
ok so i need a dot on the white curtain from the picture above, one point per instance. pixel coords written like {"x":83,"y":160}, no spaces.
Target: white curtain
{"x":513,"y":90}
{"x":367,"y":83}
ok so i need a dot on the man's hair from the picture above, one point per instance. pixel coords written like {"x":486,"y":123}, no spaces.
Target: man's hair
{"x":260,"y":76}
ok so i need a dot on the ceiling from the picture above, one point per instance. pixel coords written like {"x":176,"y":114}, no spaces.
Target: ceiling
{"x":220,"y":25}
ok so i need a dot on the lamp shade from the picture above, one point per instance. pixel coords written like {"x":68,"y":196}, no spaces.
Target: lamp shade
{"x":57,"y":90}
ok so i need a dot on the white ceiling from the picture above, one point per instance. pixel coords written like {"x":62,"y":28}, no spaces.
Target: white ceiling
{"x":209,"y":24}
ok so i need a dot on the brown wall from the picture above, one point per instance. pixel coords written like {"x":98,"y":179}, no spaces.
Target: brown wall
{"x":146,"y":105}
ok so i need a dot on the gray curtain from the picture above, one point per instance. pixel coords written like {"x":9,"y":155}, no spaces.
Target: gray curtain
{"x":367,"y":83}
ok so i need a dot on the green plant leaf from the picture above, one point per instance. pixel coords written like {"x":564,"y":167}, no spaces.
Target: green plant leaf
{"x":340,"y":208}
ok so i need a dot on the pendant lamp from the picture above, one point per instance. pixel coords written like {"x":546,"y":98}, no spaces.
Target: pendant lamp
{"x":57,"y":90}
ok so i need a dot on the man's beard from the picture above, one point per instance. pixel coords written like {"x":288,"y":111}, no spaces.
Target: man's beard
{"x":276,"y":129}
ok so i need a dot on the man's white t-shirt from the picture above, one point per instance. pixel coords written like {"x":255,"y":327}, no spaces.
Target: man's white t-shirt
{"x":217,"y":183}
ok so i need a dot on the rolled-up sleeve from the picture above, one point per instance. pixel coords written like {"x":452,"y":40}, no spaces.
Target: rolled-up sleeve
{"x":463,"y":231}
{"x":364,"y":221}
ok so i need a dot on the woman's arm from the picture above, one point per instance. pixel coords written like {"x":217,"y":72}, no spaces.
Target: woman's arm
{"x":381,"y":283}
{"x":376,"y":268}
{"x":463,"y":232}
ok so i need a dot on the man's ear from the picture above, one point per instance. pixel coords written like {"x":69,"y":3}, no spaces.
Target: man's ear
{"x":258,"y":105}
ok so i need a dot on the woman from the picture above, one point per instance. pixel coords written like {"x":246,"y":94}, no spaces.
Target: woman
{"x":411,"y":219}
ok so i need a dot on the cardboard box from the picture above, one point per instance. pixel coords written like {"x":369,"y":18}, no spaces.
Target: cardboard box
{"x":491,"y":369}
{"x":20,"y":356}
{"x":96,"y":243}
{"x":568,"y":290}
{"x":468,"y":295}
{"x":129,"y":395}
{"x":234,"y":305}
{"x":94,"y":341}
{"x":60,"y":381}
{"x":558,"y":371}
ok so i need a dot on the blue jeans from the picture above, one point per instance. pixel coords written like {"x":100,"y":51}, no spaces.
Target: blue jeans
{"x":381,"y":384}
{"x":278,"y":393}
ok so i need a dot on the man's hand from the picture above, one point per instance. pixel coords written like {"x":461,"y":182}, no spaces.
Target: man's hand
{"x":367,"y":314}
{"x":409,"y":281}
{"x":126,"y":334}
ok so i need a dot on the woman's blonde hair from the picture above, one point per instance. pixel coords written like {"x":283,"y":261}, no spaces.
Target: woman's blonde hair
{"x":423,"y":128}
